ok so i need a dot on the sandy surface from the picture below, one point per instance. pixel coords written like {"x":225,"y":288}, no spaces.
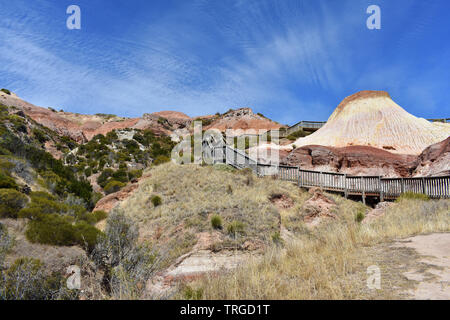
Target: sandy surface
{"x":434,"y":282}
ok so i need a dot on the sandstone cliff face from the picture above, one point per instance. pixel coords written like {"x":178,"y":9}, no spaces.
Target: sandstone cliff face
{"x":354,"y":160}
{"x":371,"y":118}
{"x":434,"y":160}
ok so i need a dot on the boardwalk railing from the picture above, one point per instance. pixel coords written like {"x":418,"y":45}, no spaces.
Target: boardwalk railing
{"x":376,"y":186}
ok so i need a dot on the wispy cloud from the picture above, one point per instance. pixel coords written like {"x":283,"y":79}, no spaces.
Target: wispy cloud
{"x":290,"y":60}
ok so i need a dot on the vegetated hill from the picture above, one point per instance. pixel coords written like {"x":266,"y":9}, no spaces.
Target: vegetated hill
{"x":46,"y":199}
{"x":82,"y":128}
{"x":371,"y":118}
{"x":25,"y":141}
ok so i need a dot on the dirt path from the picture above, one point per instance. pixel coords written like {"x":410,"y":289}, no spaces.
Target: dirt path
{"x":434,"y":280}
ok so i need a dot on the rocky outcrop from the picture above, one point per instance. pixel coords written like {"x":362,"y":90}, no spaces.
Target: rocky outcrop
{"x":110,"y":201}
{"x":378,"y":212}
{"x":434,"y":160}
{"x":372,"y":119}
{"x":243,"y":119}
{"x":318,"y":209}
{"x":356,"y":160}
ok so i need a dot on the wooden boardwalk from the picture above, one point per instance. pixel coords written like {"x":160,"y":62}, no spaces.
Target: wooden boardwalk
{"x":364,"y":186}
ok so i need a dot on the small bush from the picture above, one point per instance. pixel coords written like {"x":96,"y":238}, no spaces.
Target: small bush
{"x":6,"y":243}
{"x":126,"y":264}
{"x":102,"y":179}
{"x":11,"y":201}
{"x":412,"y":196}
{"x":276,"y":238}
{"x":54,"y":229}
{"x":6,"y":91}
{"x":359,"y":216}
{"x":216,"y":222}
{"x":235,"y":227}
{"x":192,"y":294}
{"x":298,"y":134}
{"x":7,"y":182}
{"x":99,"y":215}
{"x":160,"y":160}
{"x":134,"y":174}
{"x":156,"y":200}
{"x":40,"y":135}
{"x":51,"y":229}
{"x":120,"y":175}
{"x":113,"y":186}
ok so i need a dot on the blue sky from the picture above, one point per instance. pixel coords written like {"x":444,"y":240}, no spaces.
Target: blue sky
{"x":290,"y":60}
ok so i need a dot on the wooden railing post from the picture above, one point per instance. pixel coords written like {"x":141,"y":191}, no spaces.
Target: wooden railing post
{"x":402,"y":185}
{"x":298,"y":176}
{"x":380,"y":187}
{"x":363,"y":190}
{"x":320,"y":180}
{"x":345,"y":186}
{"x":424,"y":190}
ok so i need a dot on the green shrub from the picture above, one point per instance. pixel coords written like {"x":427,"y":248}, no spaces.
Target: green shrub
{"x":120,"y":175}
{"x":88,"y":172}
{"x":11,"y":202}
{"x":86,"y":235}
{"x":99,"y":215}
{"x":156,"y":200}
{"x":54,"y":229}
{"x":359,"y":216}
{"x":134,"y":174}
{"x":298,"y":134}
{"x":235,"y":227}
{"x":412,"y":196}
{"x":112,"y":136}
{"x":28,"y":279}
{"x":102,"y":179}
{"x":192,"y":294}
{"x":113,"y":186}
{"x":216,"y":222}
{"x":40,"y":135}
{"x":276,"y":237}
{"x":7,"y":182}
{"x":6,"y":91}
{"x":160,"y":160}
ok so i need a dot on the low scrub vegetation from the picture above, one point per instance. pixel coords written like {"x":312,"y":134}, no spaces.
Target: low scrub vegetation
{"x":216,"y":222}
{"x":412,"y":196}
{"x":156,"y":200}
{"x":125,"y":263}
{"x":11,"y":201}
{"x":298,"y":134}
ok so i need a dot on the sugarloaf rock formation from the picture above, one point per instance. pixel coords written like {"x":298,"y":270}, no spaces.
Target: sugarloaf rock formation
{"x":372,"y":118}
